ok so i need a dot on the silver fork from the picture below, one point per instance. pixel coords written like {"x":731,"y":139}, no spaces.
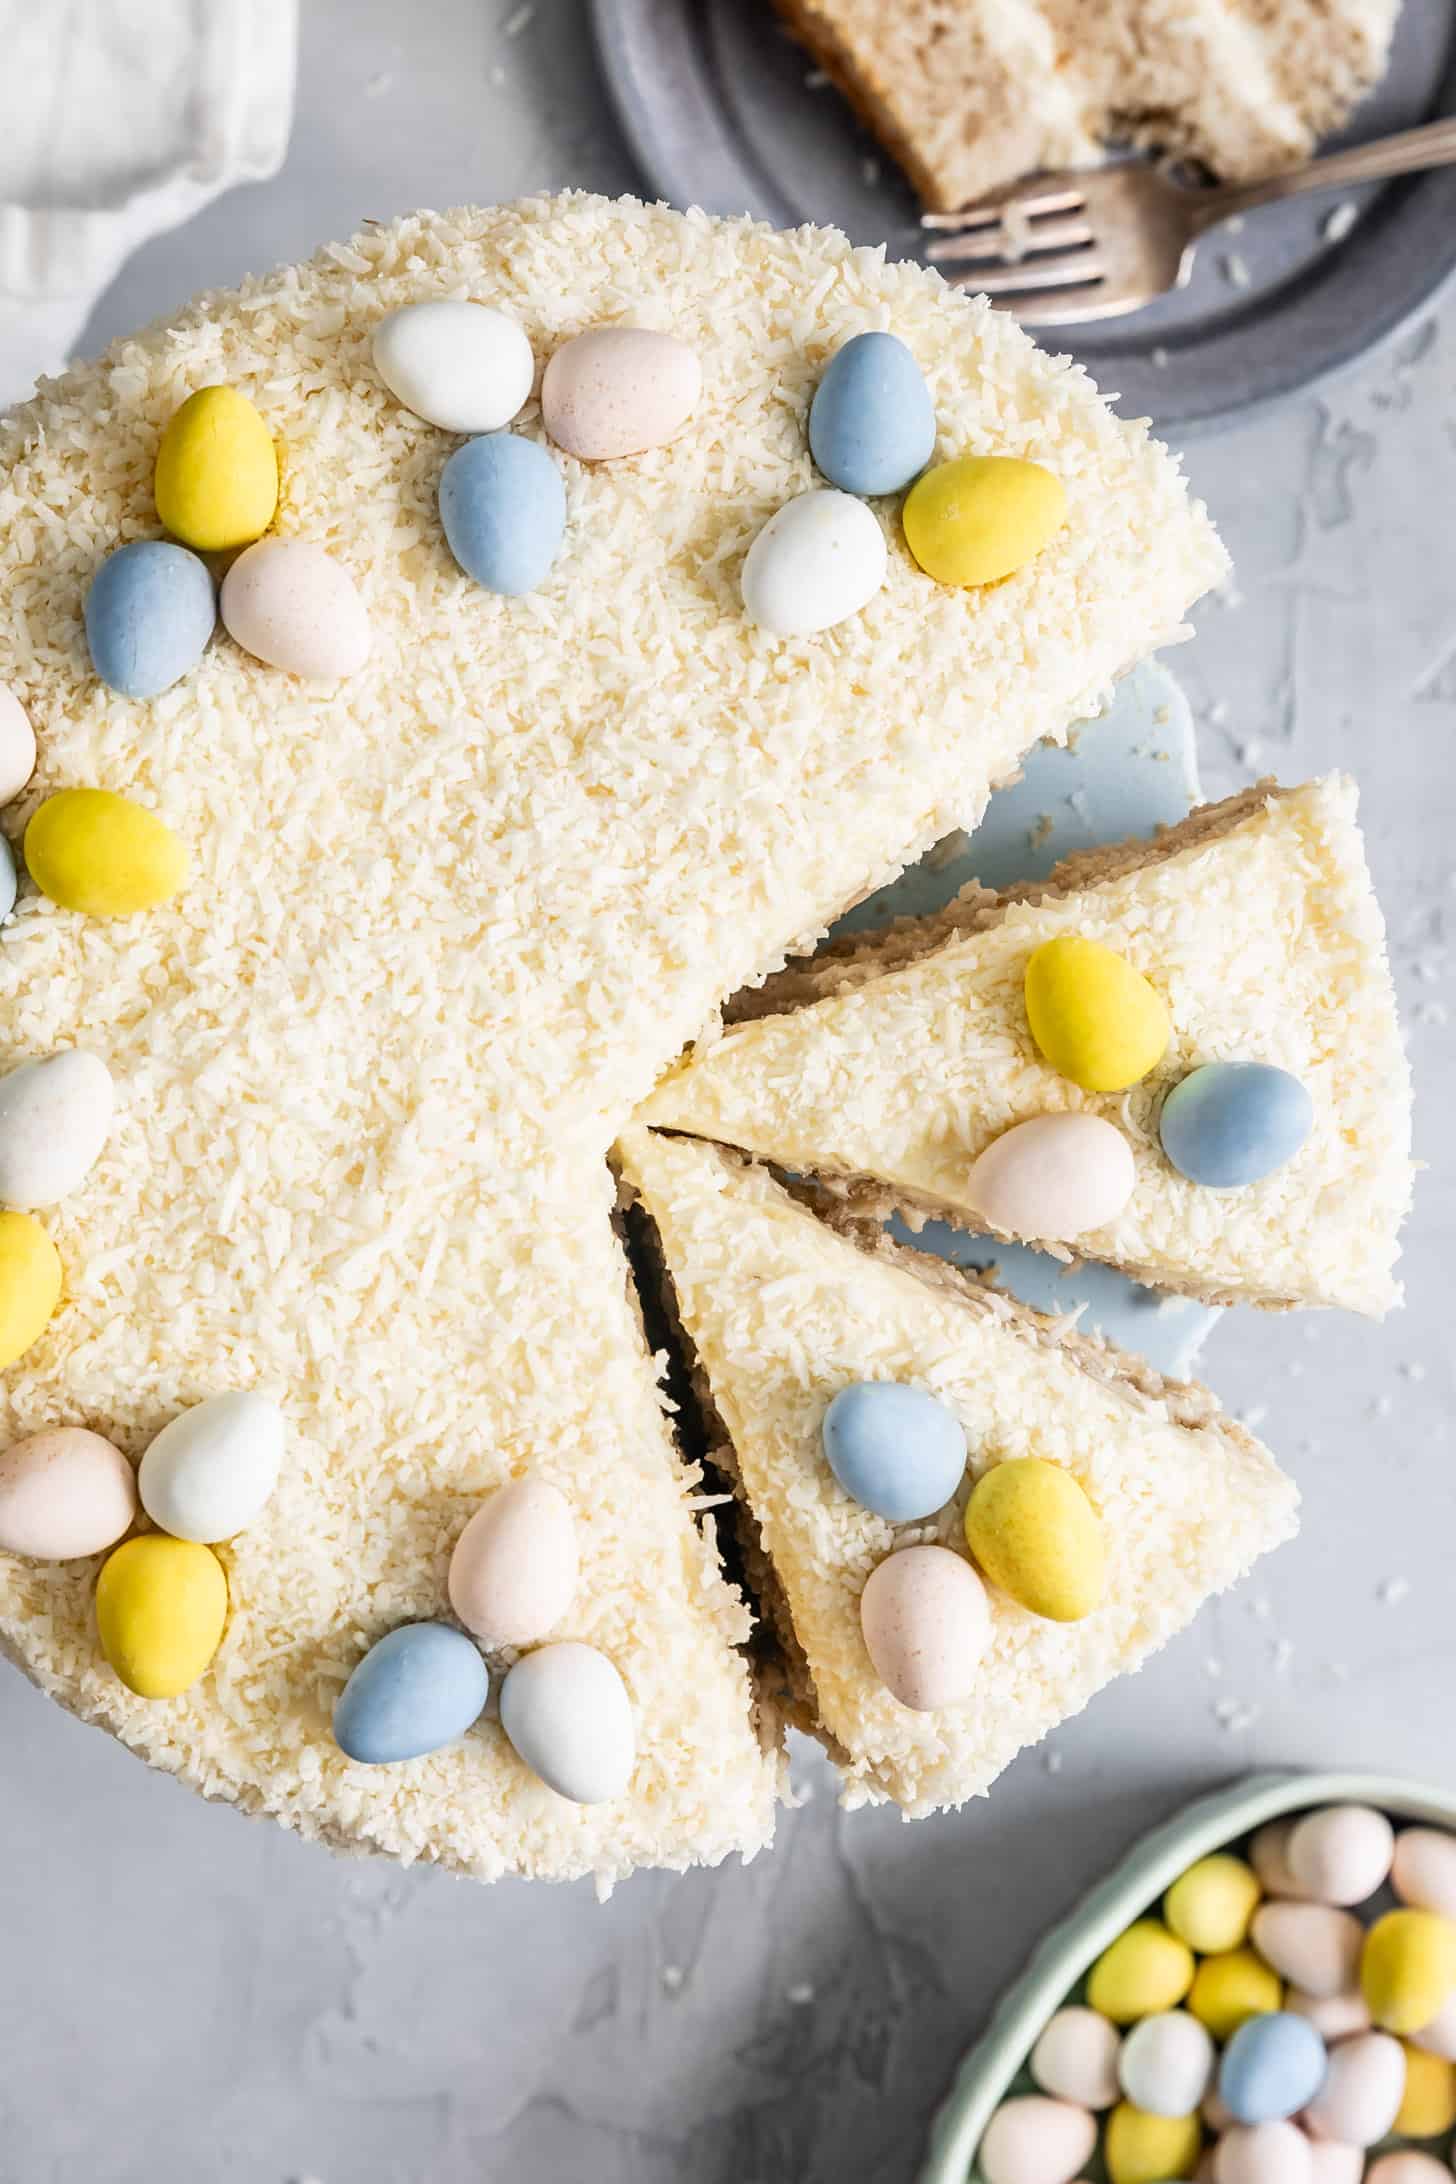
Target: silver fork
{"x":1093,"y":244}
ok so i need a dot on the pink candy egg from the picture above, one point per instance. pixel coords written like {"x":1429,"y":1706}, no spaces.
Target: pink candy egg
{"x":513,"y":1574}
{"x":926,"y":1622}
{"x":1340,"y":1855}
{"x":1358,"y":2102}
{"x":1036,"y":2141}
{"x":1053,"y":1177}
{"x":1263,"y":2153}
{"x":289,"y":603}
{"x":1408,"y":2168}
{"x":1269,"y":1857}
{"x":1076,"y":2058}
{"x":1332,"y":2164}
{"x":1333,"y":2016}
{"x":619,"y":390}
{"x":63,"y":1493}
{"x":1309,"y":1944}
{"x":1423,"y":1870}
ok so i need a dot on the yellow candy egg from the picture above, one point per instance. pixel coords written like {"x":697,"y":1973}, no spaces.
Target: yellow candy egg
{"x":1408,"y":1969}
{"x":217,"y":473}
{"x":1230,"y":1988}
{"x":980,"y":517}
{"x":1093,"y":1016}
{"x":1140,"y":2148}
{"x":161,"y":1604}
{"x":1146,"y":1970}
{"x":1035,"y":1534}
{"x":89,"y":850}
{"x":1428,"y":2104}
{"x":1210,"y":1905}
{"x":30,"y":1283}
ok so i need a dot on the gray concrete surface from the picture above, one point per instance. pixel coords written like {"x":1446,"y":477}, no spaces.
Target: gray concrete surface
{"x":188,"y":1997}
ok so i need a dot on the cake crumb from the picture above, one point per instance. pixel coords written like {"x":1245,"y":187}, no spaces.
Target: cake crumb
{"x":1281,"y":1654}
{"x":1053,"y":1763}
{"x":672,"y":1977}
{"x":515,"y":24}
{"x":1392,"y":1590}
{"x":1381,"y":1407}
{"x":1235,"y":270}
{"x":1253,"y":1416}
{"x":375,"y":88}
{"x":799,"y":1995}
{"x":1160,"y":357}
{"x":1213,"y":1667}
{"x":1413,"y":1369}
{"x":1336,"y":225}
{"x":1041,"y":832}
{"x":1235,"y":1715}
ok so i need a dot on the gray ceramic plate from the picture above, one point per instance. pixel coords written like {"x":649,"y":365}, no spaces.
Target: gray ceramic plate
{"x":725,"y":111}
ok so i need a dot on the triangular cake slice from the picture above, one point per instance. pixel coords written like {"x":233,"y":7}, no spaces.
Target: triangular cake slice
{"x":781,"y":1312}
{"x":895,"y":1063}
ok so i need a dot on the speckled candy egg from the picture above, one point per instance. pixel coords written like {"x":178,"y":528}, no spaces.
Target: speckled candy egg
{"x":872,"y":422}
{"x":64,"y":1492}
{"x":503,"y":508}
{"x":1093,"y":1015}
{"x":99,"y":853}
{"x":619,"y":390}
{"x":1263,"y":2153}
{"x":30,"y":1284}
{"x":1360,"y":2098}
{"x":460,"y":365}
{"x":55,"y":1115}
{"x":817,"y":561}
{"x":292,"y":605}
{"x":1231,"y":1987}
{"x":210,"y":1472}
{"x":1230,"y":1124}
{"x":217,"y":472}
{"x":1210,"y":1905}
{"x":1032,"y":2140}
{"x":1423,"y":1870}
{"x":896,"y":1449}
{"x":1033,"y":1531}
{"x":1075,"y":2058}
{"x":1273,"y":2066}
{"x":1406,"y":2167}
{"x":1408,"y":1969}
{"x":926,"y":1623}
{"x":416,"y":1689}
{"x":161,"y":1606}
{"x":149,"y":614}
{"x":1341,"y":1854}
{"x":1053,"y":1177}
{"x":979,"y":518}
{"x":1310,"y":1945}
{"x":1140,"y":2148}
{"x":1166,"y":2063}
{"x":513,"y":1573}
{"x":1333,"y":2016}
{"x":1145,"y":1970}
{"x":17,"y":746}
{"x":566,"y":1711}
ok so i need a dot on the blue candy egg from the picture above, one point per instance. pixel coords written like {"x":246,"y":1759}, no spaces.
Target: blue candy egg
{"x":1230,"y":1123}
{"x":149,"y":614}
{"x":872,"y":422}
{"x":503,"y":506}
{"x":896,"y":1449}
{"x":420,"y":1687}
{"x":1272,"y":2067}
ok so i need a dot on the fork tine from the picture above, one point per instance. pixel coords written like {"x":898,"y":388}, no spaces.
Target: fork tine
{"x":981,"y":247}
{"x":1057,"y":194}
{"x":1075,"y":269}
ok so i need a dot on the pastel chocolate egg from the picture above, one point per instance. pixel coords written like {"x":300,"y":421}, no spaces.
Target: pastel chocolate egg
{"x":1075,"y":2058}
{"x":30,"y":1284}
{"x":1361,"y":2095}
{"x":566,"y":1711}
{"x":1231,"y":1987}
{"x":416,"y":1689}
{"x":872,"y":422}
{"x":1031,"y":2140}
{"x":210,"y":1472}
{"x":513,"y":1574}
{"x":9,"y":879}
{"x":1210,"y":1905}
{"x":1406,"y":2167}
{"x":1094,"y":1017}
{"x":1428,"y":2104}
{"x":1341,"y":1854}
{"x":1166,"y":2063}
{"x":1263,"y":2153}
{"x":161,"y":1605}
{"x":1439,"y":2037}
{"x":926,"y":1623}
{"x":1333,"y":2016}
{"x":1140,"y":2148}
{"x":503,"y":509}
{"x":1145,"y":1970}
{"x":1423,"y":1870}
{"x":216,"y":481}
{"x":17,"y":745}
{"x":619,"y":390}
{"x":1053,"y":1177}
{"x":895,"y":1448}
{"x":55,"y":1115}
{"x":979,"y":518}
{"x":1310,"y":1945}
{"x":462,"y":366}
{"x":292,"y":605}
{"x":1333,"y":2164}
{"x":92,"y":851}
{"x":149,"y":614}
{"x":1269,"y":1857}
{"x":1033,"y":1531}
{"x":1408,"y":1969}
{"x":818,"y":560}
{"x":1272,"y":2067}
{"x":64,"y":1492}
{"x":1230,"y":1124}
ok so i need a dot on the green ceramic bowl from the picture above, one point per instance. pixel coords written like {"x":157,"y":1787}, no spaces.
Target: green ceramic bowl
{"x":994,"y":2063}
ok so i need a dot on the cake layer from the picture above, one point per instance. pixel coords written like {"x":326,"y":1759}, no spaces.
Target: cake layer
{"x":781,"y":1313}
{"x":893,"y":1063}
{"x":451,"y":918}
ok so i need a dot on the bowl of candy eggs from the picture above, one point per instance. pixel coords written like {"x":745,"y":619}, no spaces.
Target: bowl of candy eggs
{"x":1263,"y":1992}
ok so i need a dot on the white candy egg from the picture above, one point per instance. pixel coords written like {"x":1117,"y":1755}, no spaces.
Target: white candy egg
{"x":55,"y":1115}
{"x":1332,"y":2164}
{"x":292,"y":605}
{"x":1053,"y":1177}
{"x":17,"y":745}
{"x":1423,"y":1870}
{"x":1036,"y":2141}
{"x":1334,"y":2016}
{"x":462,"y":366}
{"x":1075,"y":2058}
{"x":1269,"y":1857}
{"x":209,"y":1473}
{"x":820,"y":559}
{"x":1263,"y":2153}
{"x":514,"y":1570}
{"x":926,"y":1623}
{"x":1342,"y":1854}
{"x":1361,"y":2095}
{"x":1166,"y":2063}
{"x":1311,"y":1945}
{"x":566,"y":1711}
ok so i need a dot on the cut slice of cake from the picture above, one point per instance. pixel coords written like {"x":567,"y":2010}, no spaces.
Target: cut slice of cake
{"x":781,"y":1313}
{"x":892,"y":1063}
{"x":969,"y":93}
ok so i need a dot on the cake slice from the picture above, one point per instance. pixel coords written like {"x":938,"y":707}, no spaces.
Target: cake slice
{"x":970,"y":93}
{"x":890,"y":1065}
{"x":780,"y":1312}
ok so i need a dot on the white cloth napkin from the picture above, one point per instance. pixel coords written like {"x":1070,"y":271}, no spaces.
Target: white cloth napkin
{"x":118,"y":119}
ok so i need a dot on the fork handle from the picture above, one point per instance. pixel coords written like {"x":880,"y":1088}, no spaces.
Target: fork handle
{"x":1434,"y":145}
